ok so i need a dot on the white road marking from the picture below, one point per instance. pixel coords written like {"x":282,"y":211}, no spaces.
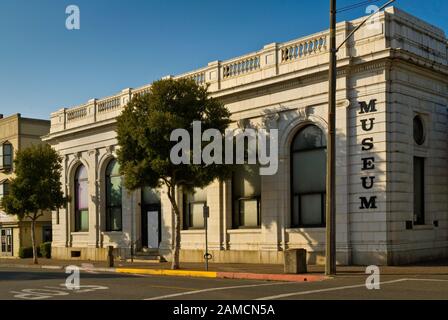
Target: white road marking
{"x":430,"y":280}
{"x":301,"y":293}
{"x":48,"y":292}
{"x":216,"y":289}
{"x":52,"y":267}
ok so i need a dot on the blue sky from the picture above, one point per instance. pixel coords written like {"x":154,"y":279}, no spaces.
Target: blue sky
{"x":129,"y":43}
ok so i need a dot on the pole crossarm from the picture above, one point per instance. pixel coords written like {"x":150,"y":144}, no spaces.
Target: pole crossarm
{"x":362,"y":23}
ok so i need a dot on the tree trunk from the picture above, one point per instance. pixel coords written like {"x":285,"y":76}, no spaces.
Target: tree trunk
{"x":33,"y":240}
{"x":172,"y":196}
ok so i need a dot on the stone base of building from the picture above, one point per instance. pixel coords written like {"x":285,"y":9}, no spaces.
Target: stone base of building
{"x":403,"y":257}
{"x":250,"y":256}
{"x":92,"y":254}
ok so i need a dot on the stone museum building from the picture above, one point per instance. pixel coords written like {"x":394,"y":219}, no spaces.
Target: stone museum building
{"x":17,"y":132}
{"x":392,"y":173}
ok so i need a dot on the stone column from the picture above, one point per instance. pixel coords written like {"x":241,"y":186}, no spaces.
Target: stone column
{"x":215,"y":203}
{"x":92,"y":159}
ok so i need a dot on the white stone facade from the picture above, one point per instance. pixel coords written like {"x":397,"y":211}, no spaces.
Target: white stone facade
{"x":399,"y":66}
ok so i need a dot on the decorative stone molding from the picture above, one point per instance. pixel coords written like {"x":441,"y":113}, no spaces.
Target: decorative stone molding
{"x":270,"y":121}
{"x":110,"y":150}
{"x":93,"y":152}
{"x":304,"y":113}
{"x":243,"y":123}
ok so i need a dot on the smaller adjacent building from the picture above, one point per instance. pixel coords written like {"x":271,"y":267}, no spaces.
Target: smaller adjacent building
{"x":16,"y":133}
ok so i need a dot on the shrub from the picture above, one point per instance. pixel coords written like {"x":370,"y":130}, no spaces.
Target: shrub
{"x":45,"y":249}
{"x":27,"y":252}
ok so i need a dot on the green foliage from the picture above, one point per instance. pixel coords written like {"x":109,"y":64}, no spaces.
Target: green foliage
{"x":27,"y":252}
{"x":144,"y":130}
{"x":45,"y":249}
{"x":36,"y":186}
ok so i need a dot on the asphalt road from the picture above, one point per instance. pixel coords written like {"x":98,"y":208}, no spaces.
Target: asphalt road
{"x":34,"y":284}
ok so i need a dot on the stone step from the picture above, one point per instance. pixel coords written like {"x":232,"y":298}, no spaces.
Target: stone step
{"x":150,"y":256}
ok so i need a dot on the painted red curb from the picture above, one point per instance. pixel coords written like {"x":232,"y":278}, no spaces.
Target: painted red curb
{"x":271,"y":277}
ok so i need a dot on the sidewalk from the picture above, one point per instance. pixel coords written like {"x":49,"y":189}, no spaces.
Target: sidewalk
{"x":228,"y":271}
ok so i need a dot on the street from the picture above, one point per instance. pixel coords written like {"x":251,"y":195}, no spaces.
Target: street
{"x":33,"y":284}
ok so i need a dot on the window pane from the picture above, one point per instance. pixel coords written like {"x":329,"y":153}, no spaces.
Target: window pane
{"x":82,"y":195}
{"x":115,"y":192}
{"x":295,"y":211}
{"x":246,"y":181}
{"x":197,"y":215}
{"x":115,"y":219}
{"x":7,"y":149}
{"x":309,"y":138}
{"x":249,"y":213}
{"x":83,"y":220}
{"x":113,"y":169}
{"x":309,"y":171}
{"x":311,"y":209}
{"x":81,"y":174}
{"x":7,"y":161}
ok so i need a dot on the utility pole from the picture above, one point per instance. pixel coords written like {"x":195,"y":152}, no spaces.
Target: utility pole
{"x":330,"y":244}
{"x":330,"y":219}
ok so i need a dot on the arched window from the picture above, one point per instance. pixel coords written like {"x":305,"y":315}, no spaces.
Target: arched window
{"x":81,"y":200}
{"x":6,"y":156}
{"x":308,"y":178}
{"x":113,"y":197}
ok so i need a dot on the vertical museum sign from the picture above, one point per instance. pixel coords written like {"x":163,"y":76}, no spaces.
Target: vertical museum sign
{"x":367,"y":162}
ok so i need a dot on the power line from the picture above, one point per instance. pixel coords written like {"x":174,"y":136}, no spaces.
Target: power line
{"x":356,"y":5}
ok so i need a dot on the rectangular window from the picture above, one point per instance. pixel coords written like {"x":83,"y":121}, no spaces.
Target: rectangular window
{"x":419,"y":190}
{"x":308,"y":185}
{"x":246,"y":194}
{"x":4,"y":190}
{"x":5,"y":156}
{"x":193,"y":209}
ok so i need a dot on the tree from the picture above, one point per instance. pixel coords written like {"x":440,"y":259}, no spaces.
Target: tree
{"x":36,"y":187}
{"x":143,"y":132}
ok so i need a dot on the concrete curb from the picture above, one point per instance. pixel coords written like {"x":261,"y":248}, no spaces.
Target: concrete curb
{"x":26,"y":266}
{"x":166,"y":272}
{"x":273,"y":277}
{"x":225,"y":275}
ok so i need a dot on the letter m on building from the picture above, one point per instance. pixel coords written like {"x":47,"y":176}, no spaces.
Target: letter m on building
{"x":368,"y":204}
{"x":366,"y":108}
